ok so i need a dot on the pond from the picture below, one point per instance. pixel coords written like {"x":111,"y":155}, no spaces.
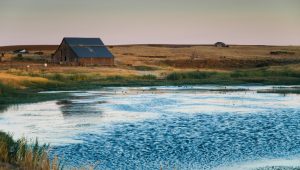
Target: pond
{"x":189,"y":127}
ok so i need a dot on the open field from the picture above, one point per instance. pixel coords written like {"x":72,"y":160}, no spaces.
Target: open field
{"x":205,"y":57}
{"x":163,"y":59}
{"x":168,"y":57}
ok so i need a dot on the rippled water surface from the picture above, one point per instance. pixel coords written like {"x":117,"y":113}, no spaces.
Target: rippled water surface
{"x":169,"y":127}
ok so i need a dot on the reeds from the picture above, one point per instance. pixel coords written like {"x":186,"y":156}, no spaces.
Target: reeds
{"x":22,"y":155}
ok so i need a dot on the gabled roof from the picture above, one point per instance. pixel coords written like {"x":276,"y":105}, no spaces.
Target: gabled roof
{"x":83,"y":41}
{"x":91,"y":51}
{"x":88,"y":47}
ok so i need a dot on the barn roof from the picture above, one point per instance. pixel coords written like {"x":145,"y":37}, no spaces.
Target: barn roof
{"x":83,"y":41}
{"x":87,"y":52}
{"x":88,"y":47}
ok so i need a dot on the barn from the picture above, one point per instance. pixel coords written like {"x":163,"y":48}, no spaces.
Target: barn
{"x":83,"y":51}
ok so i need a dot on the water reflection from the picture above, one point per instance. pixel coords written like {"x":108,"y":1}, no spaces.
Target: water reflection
{"x":142,"y":128}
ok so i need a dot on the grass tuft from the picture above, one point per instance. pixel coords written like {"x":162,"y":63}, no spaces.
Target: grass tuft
{"x":21,"y":155}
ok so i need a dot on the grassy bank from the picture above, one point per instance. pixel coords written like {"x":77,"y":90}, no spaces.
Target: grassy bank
{"x":22,"y":86}
{"x":12,"y":95}
{"x":22,"y":155}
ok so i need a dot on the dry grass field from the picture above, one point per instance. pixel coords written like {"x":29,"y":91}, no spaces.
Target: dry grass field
{"x":158,"y":60}
{"x":205,"y":57}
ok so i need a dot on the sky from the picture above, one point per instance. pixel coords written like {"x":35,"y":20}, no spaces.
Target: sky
{"x":265,"y":22}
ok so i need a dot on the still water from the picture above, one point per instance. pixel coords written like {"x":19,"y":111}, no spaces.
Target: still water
{"x":194,"y":127}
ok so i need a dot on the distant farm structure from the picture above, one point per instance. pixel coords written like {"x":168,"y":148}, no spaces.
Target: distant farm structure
{"x":221,"y":44}
{"x":21,"y":51}
{"x":83,"y":51}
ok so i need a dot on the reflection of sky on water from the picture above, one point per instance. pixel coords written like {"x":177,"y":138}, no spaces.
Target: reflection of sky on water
{"x":172,"y":125}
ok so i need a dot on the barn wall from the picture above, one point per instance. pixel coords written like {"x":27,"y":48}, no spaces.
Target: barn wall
{"x":96,"y":61}
{"x":64,"y":55}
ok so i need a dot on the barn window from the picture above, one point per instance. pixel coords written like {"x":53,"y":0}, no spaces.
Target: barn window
{"x":65,"y":58}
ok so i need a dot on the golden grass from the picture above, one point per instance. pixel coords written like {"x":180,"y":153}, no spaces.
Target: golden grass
{"x":22,"y":155}
{"x":128,"y":58}
{"x":140,"y":55}
{"x":20,"y":81}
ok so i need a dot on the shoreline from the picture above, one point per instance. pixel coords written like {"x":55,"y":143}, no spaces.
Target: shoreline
{"x":32,"y":94}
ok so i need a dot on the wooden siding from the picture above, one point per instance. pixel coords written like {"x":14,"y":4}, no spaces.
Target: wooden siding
{"x":96,"y":61}
{"x":64,"y":55}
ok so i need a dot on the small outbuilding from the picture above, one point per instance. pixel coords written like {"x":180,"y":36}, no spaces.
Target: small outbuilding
{"x":83,"y":51}
{"x":21,"y":51}
{"x":221,"y":44}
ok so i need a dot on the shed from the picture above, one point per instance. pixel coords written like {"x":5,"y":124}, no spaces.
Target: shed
{"x":20,"y":51}
{"x":83,"y":51}
{"x":221,"y":44}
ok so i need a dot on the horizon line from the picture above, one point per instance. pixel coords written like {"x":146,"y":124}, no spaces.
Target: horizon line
{"x":128,"y":44}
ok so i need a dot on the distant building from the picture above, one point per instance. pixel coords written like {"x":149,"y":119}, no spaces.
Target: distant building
{"x":221,"y":44}
{"x":83,"y":51}
{"x":21,"y":51}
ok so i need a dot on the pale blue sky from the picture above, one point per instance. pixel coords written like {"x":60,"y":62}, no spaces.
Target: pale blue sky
{"x":275,"y":22}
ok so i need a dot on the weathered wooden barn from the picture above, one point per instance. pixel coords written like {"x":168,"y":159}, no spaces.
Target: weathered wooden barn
{"x":83,"y":51}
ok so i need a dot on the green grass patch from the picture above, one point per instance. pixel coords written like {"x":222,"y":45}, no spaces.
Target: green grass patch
{"x":264,"y":72}
{"x":190,"y":75}
{"x":148,"y":77}
{"x":144,"y":68}
{"x":10,"y":95}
